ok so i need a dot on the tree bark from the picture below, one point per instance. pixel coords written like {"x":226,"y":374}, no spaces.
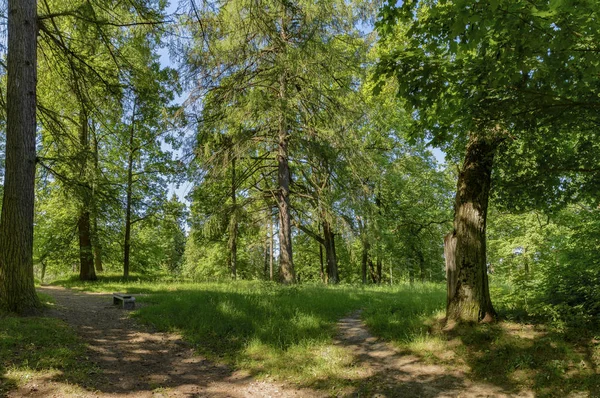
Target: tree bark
{"x":17,"y":291}
{"x":266,"y":252}
{"x":372,"y":270}
{"x":233,"y":227}
{"x":322,"y":265}
{"x":95,"y":234}
{"x":286,"y":264}
{"x":129,"y":197}
{"x":364,"y":262}
{"x":330,"y":255}
{"x":421,"y":259}
{"x":379,"y":269}
{"x":86,"y":256}
{"x":87,"y":271}
{"x":97,"y":246}
{"x":271,"y":247}
{"x":468,"y":296}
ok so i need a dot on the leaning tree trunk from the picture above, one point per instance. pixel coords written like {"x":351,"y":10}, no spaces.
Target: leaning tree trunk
{"x":322,"y":273}
{"x":129,"y":198}
{"x":421,"y":259}
{"x":17,"y":291}
{"x":86,"y":256}
{"x":465,"y":248}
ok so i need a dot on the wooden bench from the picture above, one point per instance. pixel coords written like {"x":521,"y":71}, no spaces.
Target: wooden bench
{"x":125,"y":300}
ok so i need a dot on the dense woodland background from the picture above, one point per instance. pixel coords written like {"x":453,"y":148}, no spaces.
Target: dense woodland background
{"x":300,"y":137}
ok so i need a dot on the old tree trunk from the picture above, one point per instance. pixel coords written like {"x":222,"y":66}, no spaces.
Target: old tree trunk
{"x":17,"y":291}
{"x":87,"y":271}
{"x":466,"y":269}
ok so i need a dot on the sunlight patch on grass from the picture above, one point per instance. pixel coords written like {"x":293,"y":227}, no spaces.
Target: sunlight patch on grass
{"x":305,"y":364}
{"x":427,"y":346}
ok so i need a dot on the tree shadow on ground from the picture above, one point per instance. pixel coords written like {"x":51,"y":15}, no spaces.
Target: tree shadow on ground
{"x":39,"y":345}
{"x":516,"y":355}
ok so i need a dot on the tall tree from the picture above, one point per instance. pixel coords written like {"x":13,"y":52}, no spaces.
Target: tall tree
{"x":488,"y":80}
{"x":270,"y":73}
{"x":17,"y":292}
{"x":89,"y":52}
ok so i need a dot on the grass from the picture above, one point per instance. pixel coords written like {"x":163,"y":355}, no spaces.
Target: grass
{"x":40,"y":347}
{"x":286,"y":333}
{"x":277,"y":331}
{"x":517,"y":356}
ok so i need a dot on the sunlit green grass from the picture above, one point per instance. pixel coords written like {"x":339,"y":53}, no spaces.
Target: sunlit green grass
{"x":284,"y":332}
{"x":287,"y":332}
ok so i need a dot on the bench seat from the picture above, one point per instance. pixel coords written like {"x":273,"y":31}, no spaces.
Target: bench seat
{"x":127,"y":301}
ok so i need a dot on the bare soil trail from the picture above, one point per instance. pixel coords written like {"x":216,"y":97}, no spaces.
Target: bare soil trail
{"x":386,"y":372}
{"x":137,"y":362}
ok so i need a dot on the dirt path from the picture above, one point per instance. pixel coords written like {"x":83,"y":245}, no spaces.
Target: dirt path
{"x":136,"y":362}
{"x":389,"y":373}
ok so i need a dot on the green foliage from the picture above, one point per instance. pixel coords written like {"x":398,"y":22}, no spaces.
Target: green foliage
{"x":548,"y":264}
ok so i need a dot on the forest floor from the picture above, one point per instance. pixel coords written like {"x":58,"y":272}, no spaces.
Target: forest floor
{"x":121,"y":357}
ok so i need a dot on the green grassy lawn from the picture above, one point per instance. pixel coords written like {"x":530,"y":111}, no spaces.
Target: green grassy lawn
{"x":286,"y":333}
{"x":40,"y":346}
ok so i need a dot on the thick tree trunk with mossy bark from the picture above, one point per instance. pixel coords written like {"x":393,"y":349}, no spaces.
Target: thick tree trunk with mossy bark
{"x":468,"y":296}
{"x":97,"y":247}
{"x":17,"y":291}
